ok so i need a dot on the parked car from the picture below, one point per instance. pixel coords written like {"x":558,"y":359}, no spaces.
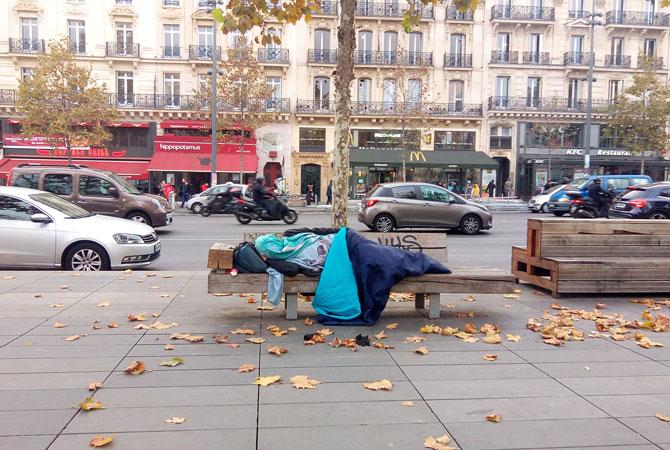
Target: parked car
{"x":197,"y":201}
{"x":408,"y":205}
{"x":559,"y":203}
{"x":539,"y":203}
{"x":643,"y":202}
{"x":43,"y":230}
{"x":97,"y":191}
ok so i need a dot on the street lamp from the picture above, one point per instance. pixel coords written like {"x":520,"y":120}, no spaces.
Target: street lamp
{"x":589,"y":101}
{"x":211,"y":5}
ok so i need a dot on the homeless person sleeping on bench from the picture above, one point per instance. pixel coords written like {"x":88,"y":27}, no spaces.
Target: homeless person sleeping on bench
{"x":357,"y":274}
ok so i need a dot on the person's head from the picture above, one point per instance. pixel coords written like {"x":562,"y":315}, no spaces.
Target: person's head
{"x":597,"y":181}
{"x":261,"y":181}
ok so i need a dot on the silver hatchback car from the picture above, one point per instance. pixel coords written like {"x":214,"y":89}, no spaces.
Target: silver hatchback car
{"x":421,"y":205}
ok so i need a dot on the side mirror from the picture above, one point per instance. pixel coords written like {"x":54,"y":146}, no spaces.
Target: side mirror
{"x":114,"y":192}
{"x":40,"y":218}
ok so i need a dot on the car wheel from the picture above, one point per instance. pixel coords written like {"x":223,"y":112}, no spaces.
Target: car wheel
{"x":196,"y":207}
{"x":559,"y":214}
{"x":139,"y":216}
{"x":545,"y":208}
{"x":658,"y":215}
{"x":383,"y":223}
{"x":87,"y":257}
{"x":470,"y":224}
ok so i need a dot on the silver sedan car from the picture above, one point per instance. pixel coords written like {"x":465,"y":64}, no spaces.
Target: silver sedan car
{"x":42,"y":230}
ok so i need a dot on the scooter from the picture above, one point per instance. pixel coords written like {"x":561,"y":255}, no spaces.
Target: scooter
{"x":585,"y":208}
{"x":222,"y":203}
{"x":245,"y":211}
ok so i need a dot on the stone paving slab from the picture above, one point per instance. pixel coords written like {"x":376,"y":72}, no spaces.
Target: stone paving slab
{"x":603,"y":369}
{"x":649,"y":427}
{"x":619,"y":385}
{"x":491,"y":389}
{"x":26,"y":442}
{"x":36,"y":399}
{"x":17,"y":423}
{"x":632,"y":405}
{"x":491,"y":371}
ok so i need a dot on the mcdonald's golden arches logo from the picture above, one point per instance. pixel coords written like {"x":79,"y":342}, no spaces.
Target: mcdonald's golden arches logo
{"x":417,"y":156}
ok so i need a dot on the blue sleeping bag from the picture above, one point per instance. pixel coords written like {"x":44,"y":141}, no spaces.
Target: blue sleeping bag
{"x":336,"y":294}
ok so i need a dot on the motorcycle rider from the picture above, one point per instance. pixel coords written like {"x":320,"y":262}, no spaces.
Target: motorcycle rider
{"x":262,"y":196}
{"x":599,"y":196}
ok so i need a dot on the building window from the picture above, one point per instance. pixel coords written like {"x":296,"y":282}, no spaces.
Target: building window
{"x":321,"y":92}
{"x":385,"y":139}
{"x":123,"y":138}
{"x":390,"y":47}
{"x":364,"y":90}
{"x":239,"y":39}
{"x":170,"y":2}
{"x":650,"y":48}
{"x":501,"y":137}
{"x":615,"y":89}
{"x":124,"y":38}
{"x":171,"y":89}
{"x":456,"y":88}
{"x":124,"y":2}
{"x":203,"y":79}
{"x":77,"y":35}
{"x":390,"y":89}
{"x":321,"y":39}
{"x":124,"y":88}
{"x":274,"y":83}
{"x":454,"y":140}
{"x":533,"y":92}
{"x":26,"y":73}
{"x":414,"y":91}
{"x":312,"y":140}
{"x":171,"y":41}
{"x":29,"y":37}
{"x":573,"y":93}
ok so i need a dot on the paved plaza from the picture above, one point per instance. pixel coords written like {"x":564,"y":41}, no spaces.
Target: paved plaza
{"x":592,"y":394}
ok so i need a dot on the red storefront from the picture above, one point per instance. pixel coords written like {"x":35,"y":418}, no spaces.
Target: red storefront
{"x":185,"y":151}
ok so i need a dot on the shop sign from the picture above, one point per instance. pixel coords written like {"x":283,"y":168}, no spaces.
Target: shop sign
{"x":381,"y":165}
{"x":41,"y":146}
{"x":200,"y":144}
{"x":417,"y":156}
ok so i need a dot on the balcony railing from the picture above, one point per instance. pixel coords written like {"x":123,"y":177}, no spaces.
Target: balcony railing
{"x":637,"y":18}
{"x":202,"y":52}
{"x":191,"y":103}
{"x":503,"y":12}
{"x":171,"y":52}
{"x":457,"y":60}
{"x":26,"y":45}
{"x":617,"y":61}
{"x":390,"y":9}
{"x":328,"y":8}
{"x":423,"y":59}
{"x":359,"y":108}
{"x":77,"y":47}
{"x":578,"y":14}
{"x":576,"y":58}
{"x":318,"y":56}
{"x":121,"y":49}
{"x":454,"y":14}
{"x":273,"y":56}
{"x":544,"y":104}
{"x":7,"y":96}
{"x":504,"y":57}
{"x":654,"y":62}
{"x":536,"y":58}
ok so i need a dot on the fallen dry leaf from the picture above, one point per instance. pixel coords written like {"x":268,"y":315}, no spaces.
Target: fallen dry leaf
{"x":136,"y":318}
{"x":663,"y":417}
{"x":8,"y":277}
{"x":381,"y":335}
{"x":276,"y":350}
{"x":163,"y":326}
{"x":90,"y":403}
{"x":94,"y":385}
{"x":266,"y":381}
{"x":494,"y":418}
{"x":175,"y":420}
{"x":135,"y":368}
{"x":187,"y":337}
{"x":231,"y":345}
{"x":244,"y":368}
{"x":112,"y":324}
{"x":645,"y":342}
{"x":437,"y":443}
{"x":167,"y":275}
{"x":514,"y":296}
{"x":378,"y":344}
{"x":56,"y":305}
{"x":100,"y":441}
{"x":72,"y":338}
{"x":221,"y":294}
{"x":553,"y":341}
{"x":304,"y":382}
{"x":104,"y":305}
{"x":128,"y":271}
{"x":414,"y":339}
{"x":169,"y":347}
{"x":292,"y":329}
{"x":164,"y":295}
{"x":220,"y":339}
{"x":448,"y":331}
{"x":172,"y":362}
{"x":308,"y":321}
{"x":59,"y":325}
{"x":265,"y":308}
{"x":382,"y":385}
{"x":247,"y":331}
{"x":37,"y":295}
{"x":421,"y":351}
{"x":469,"y":298}
{"x":408,"y":403}
{"x":258,"y":340}
{"x":558,"y":306}
{"x":65,"y":286}
{"x":324,"y":332}
{"x":392,"y":326}
{"x":492,"y":338}
{"x":490,"y":357}
{"x":601,"y":305}
{"x":469,"y":328}
{"x":142,"y":326}
{"x":428,"y":329}
{"x":513,"y":337}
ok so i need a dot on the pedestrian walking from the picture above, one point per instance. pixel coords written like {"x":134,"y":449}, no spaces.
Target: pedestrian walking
{"x":182,"y":187}
{"x":468,"y":189}
{"x":186,"y":194}
{"x":309,"y":195}
{"x":329,"y":193}
{"x":204,"y":187}
{"x":508,"y":188}
{"x":475,"y":191}
{"x":491,"y":188}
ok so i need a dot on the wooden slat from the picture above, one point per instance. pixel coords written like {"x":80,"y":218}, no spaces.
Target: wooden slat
{"x":213,"y":256}
{"x":607,"y":239}
{"x":613,"y":286}
{"x":601,"y":226}
{"x":591,"y":251}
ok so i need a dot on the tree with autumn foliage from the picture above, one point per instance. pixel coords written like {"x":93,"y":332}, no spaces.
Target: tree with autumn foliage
{"x":244,"y":99}
{"x":243,"y":15}
{"x":64,"y":103}
{"x":638,"y":118}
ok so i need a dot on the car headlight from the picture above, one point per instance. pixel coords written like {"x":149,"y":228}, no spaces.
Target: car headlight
{"x":123,"y":238}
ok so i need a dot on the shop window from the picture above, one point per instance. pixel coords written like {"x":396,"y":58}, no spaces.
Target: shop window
{"x":59,"y":184}
{"x":312,"y":140}
{"x":501,"y":138}
{"x":454,"y":140}
{"x":567,"y":135}
{"x":129,"y":137}
{"x":94,"y":187}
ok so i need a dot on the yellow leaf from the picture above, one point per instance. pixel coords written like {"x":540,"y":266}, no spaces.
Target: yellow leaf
{"x":276,"y":350}
{"x":490,"y":357}
{"x":175,"y":420}
{"x":162,"y":326}
{"x":469,"y":298}
{"x":172,"y":362}
{"x":304,"y":382}
{"x":56,"y":305}
{"x":104,"y":305}
{"x":8,"y":277}
{"x":100,"y":441}
{"x":381,"y":335}
{"x":72,"y":338}
{"x":430,"y":329}
{"x":663,"y":417}
{"x":324,"y":332}
{"x":94,"y":385}
{"x":437,"y":443}
{"x":246,"y":368}
{"x":414,"y":339}
{"x":112,"y":324}
{"x":383,"y":385}
{"x":421,"y":350}
{"x":553,"y":341}
{"x":492,"y":338}
{"x":258,"y":340}
{"x":136,"y":318}
{"x":167,"y":275}
{"x":448,"y":331}
{"x":135,"y":368}
{"x":187,"y":337}
{"x":392,"y":326}
{"x":513,"y":337}
{"x":494,"y":418}
{"x":243,"y":331}
{"x":408,"y":403}
{"x":513,"y":296}
{"x":378,"y":344}
{"x":59,"y":325}
{"x":469,"y":328}
{"x":266,"y":381}
{"x":91,"y":403}
{"x":309,"y":322}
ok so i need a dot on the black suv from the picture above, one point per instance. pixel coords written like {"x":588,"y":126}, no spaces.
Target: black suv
{"x":643,"y":202}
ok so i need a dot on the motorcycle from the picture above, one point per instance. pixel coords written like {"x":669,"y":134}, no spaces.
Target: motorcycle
{"x":585,"y":208}
{"x":245,"y":211}
{"x":222,"y":203}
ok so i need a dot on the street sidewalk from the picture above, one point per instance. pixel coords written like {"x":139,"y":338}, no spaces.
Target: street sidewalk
{"x":597,"y":394}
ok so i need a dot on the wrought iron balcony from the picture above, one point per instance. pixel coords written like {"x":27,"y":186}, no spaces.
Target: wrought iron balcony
{"x":26,"y":45}
{"x":536,"y":58}
{"x":502,"y":12}
{"x":202,"y":52}
{"x":654,"y":62}
{"x":121,"y":49}
{"x":395,"y":109}
{"x":319,"y":56}
{"x":390,"y":9}
{"x":504,"y":57}
{"x":457,"y":60}
{"x":273,"y":56}
{"x":544,"y":104}
{"x":191,"y":103}
{"x":637,"y":18}
{"x":171,"y":52}
{"x":328,"y":8}
{"x":423,"y":59}
{"x":576,"y":58}
{"x":453,"y":14}
{"x":578,"y":14}
{"x":617,"y":61}
{"x":7,"y":96}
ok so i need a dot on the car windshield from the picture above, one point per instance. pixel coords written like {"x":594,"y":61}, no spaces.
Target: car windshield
{"x":129,"y":188}
{"x":66,"y":207}
{"x":635,"y":193}
{"x":577,"y":184}
{"x":553,"y":189}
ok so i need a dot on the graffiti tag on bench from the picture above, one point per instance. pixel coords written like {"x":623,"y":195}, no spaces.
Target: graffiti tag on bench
{"x":407,"y":242}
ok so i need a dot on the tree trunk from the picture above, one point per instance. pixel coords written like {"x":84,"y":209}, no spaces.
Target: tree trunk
{"x":404,"y":152}
{"x":346,"y":44}
{"x":68,"y":150}
{"x":642,"y":165}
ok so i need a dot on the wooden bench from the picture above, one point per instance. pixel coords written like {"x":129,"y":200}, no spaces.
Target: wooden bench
{"x":595,"y":256}
{"x":462,"y":281}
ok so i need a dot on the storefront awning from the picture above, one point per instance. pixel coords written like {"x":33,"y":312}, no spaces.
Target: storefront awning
{"x":445,"y":159}
{"x":201,"y":162}
{"x":136,"y":170}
